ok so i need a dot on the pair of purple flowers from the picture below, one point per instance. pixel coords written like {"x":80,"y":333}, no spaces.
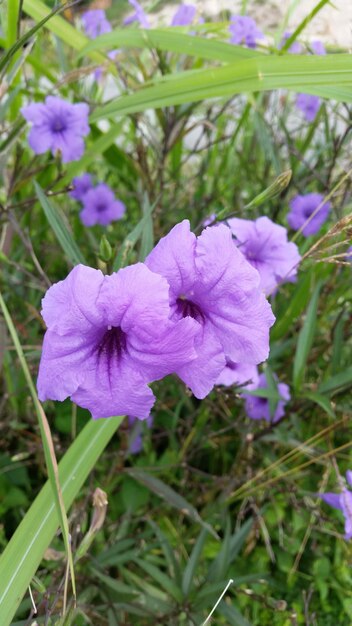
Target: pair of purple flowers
{"x":184,"y":15}
{"x":187,"y":310}
{"x":99,"y":203}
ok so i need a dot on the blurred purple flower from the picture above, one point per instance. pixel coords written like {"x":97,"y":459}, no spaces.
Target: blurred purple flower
{"x":95,"y":23}
{"x":212,"y":283}
{"x":349,"y":255}
{"x":58,"y":126}
{"x":100,"y":206}
{"x":107,"y":337}
{"x":237,"y":374}
{"x":81,"y":184}
{"x":302,"y":207}
{"x":209,"y":220}
{"x":309,"y":105}
{"x":343,"y":502}
{"x":295,"y":47}
{"x":318,"y":47}
{"x":184,"y":15}
{"x":259,"y":408}
{"x":265,"y":246}
{"x":136,"y":436}
{"x":138,"y":16}
{"x":244,"y":31}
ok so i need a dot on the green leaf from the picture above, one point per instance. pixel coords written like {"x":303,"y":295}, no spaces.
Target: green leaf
{"x":337,"y":382}
{"x":255,"y":74}
{"x":293,"y":308}
{"x":64,"y":237}
{"x":161,"y":578}
{"x":23,"y":554}
{"x":131,"y":240}
{"x":321,"y":400}
{"x":168,"y":39}
{"x":305,"y":339}
{"x":162,"y":490}
{"x":189,"y":573}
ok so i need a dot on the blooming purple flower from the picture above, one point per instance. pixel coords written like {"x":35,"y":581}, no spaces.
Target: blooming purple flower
{"x":318,"y":47}
{"x":100,"y":206}
{"x":107,"y":337}
{"x":295,"y":47}
{"x":244,"y":31}
{"x":265,"y":246}
{"x":58,"y":126}
{"x":81,"y":184}
{"x":302,"y":207}
{"x":343,"y":502}
{"x":237,"y":374}
{"x":259,"y":408}
{"x":95,"y":23}
{"x":184,"y":15}
{"x":135,"y":439}
{"x":309,"y":105}
{"x":138,"y":16}
{"x":220,"y":292}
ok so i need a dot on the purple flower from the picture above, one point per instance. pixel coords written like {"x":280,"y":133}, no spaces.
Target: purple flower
{"x":318,"y":47}
{"x":349,"y":255}
{"x":343,"y":502}
{"x":138,"y":16}
{"x":303,"y":207}
{"x":295,"y":47}
{"x":135,"y":439}
{"x":220,"y":292}
{"x":58,"y":126}
{"x":107,"y":337}
{"x":265,"y":246}
{"x":95,"y":23}
{"x":237,"y":374}
{"x":259,"y":408}
{"x":309,"y":105}
{"x":81,"y":184}
{"x":184,"y":15}
{"x":244,"y":31}
{"x":100,"y":206}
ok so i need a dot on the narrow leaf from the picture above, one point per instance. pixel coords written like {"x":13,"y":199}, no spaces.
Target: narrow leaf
{"x":305,"y":339}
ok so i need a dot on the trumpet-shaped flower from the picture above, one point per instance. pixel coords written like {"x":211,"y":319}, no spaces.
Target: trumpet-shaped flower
{"x":81,"y":185}
{"x":138,"y":16}
{"x":95,"y":23}
{"x":58,"y":126}
{"x":259,"y":408}
{"x":184,"y":15}
{"x":237,"y":374}
{"x":303,"y":207}
{"x":244,"y":30}
{"x":343,"y":502}
{"x":309,"y":105}
{"x":212,"y":283}
{"x":265,"y":246}
{"x":107,"y":337}
{"x":100,"y":206}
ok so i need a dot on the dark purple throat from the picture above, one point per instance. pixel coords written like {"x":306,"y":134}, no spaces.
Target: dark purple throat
{"x":112,"y":345}
{"x":187,"y":308}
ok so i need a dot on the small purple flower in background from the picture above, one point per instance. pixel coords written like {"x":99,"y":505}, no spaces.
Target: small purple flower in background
{"x":318,"y":47}
{"x":136,"y":436}
{"x":108,"y":337}
{"x":138,"y":16}
{"x":100,"y":206}
{"x":58,"y":126}
{"x":81,"y":184}
{"x":244,"y":30}
{"x":95,"y":23}
{"x":265,"y":246}
{"x":238,"y":374}
{"x":212,"y":283}
{"x":343,"y":502}
{"x":295,"y":47}
{"x":259,"y":408}
{"x":349,"y":255}
{"x":309,"y":105}
{"x":302,"y":207}
{"x":184,"y":15}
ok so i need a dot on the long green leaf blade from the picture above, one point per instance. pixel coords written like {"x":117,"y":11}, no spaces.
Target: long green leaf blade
{"x":305,"y":339}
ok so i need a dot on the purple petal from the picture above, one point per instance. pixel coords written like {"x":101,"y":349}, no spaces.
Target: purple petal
{"x":332,"y":499}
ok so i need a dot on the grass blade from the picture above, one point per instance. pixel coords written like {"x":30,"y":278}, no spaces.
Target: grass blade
{"x":305,"y":339}
{"x":64,"y":237}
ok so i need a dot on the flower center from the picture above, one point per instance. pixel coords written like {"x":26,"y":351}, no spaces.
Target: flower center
{"x":100,"y":207}
{"x":113,"y":344}
{"x":58,"y":125}
{"x":187,"y":308}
